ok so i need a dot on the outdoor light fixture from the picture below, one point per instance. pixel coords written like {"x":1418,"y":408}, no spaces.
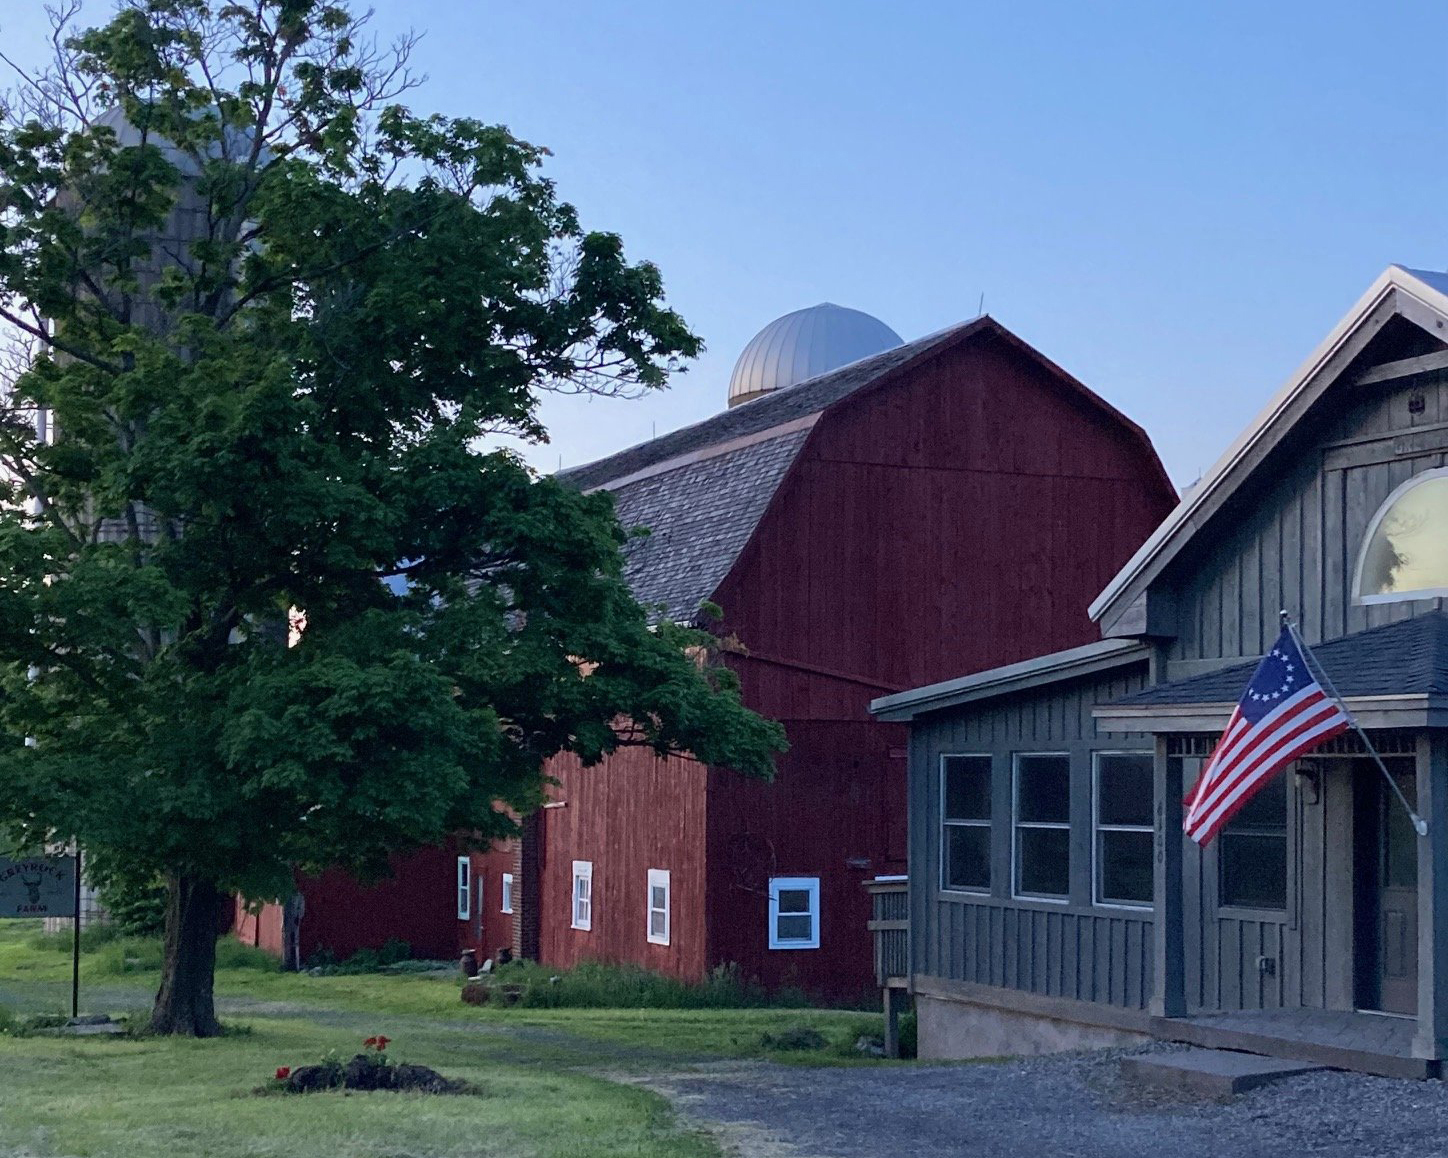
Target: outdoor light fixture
{"x":1309,"y":781}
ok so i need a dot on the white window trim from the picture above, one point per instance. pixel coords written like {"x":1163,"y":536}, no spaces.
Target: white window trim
{"x":945,"y":885}
{"x":658,"y":879}
{"x":1097,"y":828}
{"x":1357,"y":575}
{"x":807,"y":884}
{"x":465,"y":888}
{"x":1017,"y":824}
{"x":506,"y":899}
{"x":582,"y":873}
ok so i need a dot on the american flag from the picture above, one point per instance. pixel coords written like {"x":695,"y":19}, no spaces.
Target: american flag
{"x":1283,"y":713}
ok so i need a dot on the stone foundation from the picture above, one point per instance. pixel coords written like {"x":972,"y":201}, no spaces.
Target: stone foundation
{"x":951,"y":1029}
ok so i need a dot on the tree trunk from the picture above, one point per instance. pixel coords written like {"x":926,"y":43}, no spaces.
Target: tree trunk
{"x":185,"y":1003}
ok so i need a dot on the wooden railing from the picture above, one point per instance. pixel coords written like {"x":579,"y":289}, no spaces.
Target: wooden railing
{"x":890,"y":923}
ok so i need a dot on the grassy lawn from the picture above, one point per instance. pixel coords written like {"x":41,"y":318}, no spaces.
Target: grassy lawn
{"x":544,"y":1073}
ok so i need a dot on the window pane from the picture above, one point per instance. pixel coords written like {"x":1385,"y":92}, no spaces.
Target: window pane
{"x":794,"y":900}
{"x":1043,"y":861}
{"x":1125,"y":860}
{"x":1254,"y":869}
{"x":1043,"y":788}
{"x":967,"y":788}
{"x":657,"y":893}
{"x":795,"y":928}
{"x":656,"y":924}
{"x":1409,"y":548}
{"x":1264,"y":812}
{"x":967,"y":856}
{"x":1124,"y":788}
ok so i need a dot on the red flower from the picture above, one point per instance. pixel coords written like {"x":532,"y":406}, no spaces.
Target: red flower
{"x":283,"y":1072}
{"x":369,"y":1043}
{"x":382,"y":1043}
{"x":379,"y":1043}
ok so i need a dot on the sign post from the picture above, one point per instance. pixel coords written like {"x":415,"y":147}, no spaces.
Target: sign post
{"x":45,"y":886}
{"x":75,"y":945}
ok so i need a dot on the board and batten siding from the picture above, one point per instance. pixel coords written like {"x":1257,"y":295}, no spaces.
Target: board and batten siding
{"x":1293,"y":540}
{"x":1076,"y":949}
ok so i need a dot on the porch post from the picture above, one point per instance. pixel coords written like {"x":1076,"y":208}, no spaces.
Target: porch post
{"x":1168,"y":997}
{"x":1432,"y":1037}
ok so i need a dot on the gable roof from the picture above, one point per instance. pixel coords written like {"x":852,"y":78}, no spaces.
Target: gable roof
{"x":1407,"y":658}
{"x":1419,"y":295}
{"x":702,"y":490}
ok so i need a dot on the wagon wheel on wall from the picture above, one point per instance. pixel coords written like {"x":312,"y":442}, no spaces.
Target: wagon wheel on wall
{"x":752,"y":862}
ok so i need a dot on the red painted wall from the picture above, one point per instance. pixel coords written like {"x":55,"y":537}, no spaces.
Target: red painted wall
{"x":262,"y":929}
{"x":488,"y":927}
{"x":952,"y":523}
{"x":626,"y":815}
{"x":417,"y":904}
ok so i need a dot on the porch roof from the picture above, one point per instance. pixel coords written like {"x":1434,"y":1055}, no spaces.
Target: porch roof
{"x":1398,"y":668}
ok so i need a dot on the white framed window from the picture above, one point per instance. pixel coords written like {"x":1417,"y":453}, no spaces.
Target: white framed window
{"x":507,"y":892}
{"x":465,"y":888}
{"x":794,"y":912}
{"x":659,"y":899}
{"x":965,"y":792}
{"x":1123,"y":832}
{"x":1041,"y":826}
{"x":582,"y":894}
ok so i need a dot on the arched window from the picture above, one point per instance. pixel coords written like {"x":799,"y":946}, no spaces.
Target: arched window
{"x":1405,"y":552}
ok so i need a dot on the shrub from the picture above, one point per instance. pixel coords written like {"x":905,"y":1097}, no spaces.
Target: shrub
{"x":137,"y":909}
{"x":92,"y":937}
{"x":388,"y":958}
{"x":124,"y":955}
{"x":795,"y":1037}
{"x":234,"y":954}
{"x":600,"y":985}
{"x":909,"y":1035}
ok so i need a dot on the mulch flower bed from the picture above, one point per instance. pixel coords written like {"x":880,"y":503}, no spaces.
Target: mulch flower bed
{"x":369,"y":1070}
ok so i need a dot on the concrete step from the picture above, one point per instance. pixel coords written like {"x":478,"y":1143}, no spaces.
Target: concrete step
{"x":1215,"y":1073}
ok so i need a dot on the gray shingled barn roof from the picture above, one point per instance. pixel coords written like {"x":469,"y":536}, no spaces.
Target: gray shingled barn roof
{"x":701,"y":512}
{"x":1406,"y":658}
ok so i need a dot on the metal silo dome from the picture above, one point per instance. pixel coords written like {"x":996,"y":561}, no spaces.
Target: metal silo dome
{"x":805,"y":344}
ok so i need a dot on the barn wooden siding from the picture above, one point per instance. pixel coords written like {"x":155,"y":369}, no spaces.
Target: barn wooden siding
{"x":1075,"y":950}
{"x":958,"y":522}
{"x":626,"y":815}
{"x":1298,"y":535}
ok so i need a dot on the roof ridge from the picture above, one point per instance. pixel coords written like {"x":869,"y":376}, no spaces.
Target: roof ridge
{"x":776,"y":408}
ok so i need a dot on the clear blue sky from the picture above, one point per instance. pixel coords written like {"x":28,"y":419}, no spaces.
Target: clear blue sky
{"x":1175,"y":202}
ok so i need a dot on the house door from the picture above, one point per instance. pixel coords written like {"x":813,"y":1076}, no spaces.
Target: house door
{"x":1386,"y":861}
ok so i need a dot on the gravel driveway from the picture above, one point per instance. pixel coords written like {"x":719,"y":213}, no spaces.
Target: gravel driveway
{"x":1060,"y":1106}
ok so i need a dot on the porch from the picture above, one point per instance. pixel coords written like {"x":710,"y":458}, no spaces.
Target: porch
{"x":1361,"y":1041}
{"x":1370,"y":1043}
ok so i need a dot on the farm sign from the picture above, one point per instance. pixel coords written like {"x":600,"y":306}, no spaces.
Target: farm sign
{"x":37,"y":886}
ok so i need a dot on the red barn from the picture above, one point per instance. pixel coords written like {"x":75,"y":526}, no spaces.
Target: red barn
{"x":940,"y":507}
{"x":871,"y":516}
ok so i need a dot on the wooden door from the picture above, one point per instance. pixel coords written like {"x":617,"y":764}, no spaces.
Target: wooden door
{"x":1398,"y":897}
{"x":1387,"y":863}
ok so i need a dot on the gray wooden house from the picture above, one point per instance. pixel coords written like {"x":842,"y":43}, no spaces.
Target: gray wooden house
{"x":1053,"y":899}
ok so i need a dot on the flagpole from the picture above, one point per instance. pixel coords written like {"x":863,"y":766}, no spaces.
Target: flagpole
{"x":1420,"y":826}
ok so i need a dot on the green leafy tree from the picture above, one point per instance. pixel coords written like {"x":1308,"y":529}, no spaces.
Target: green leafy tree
{"x":274,"y":322}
